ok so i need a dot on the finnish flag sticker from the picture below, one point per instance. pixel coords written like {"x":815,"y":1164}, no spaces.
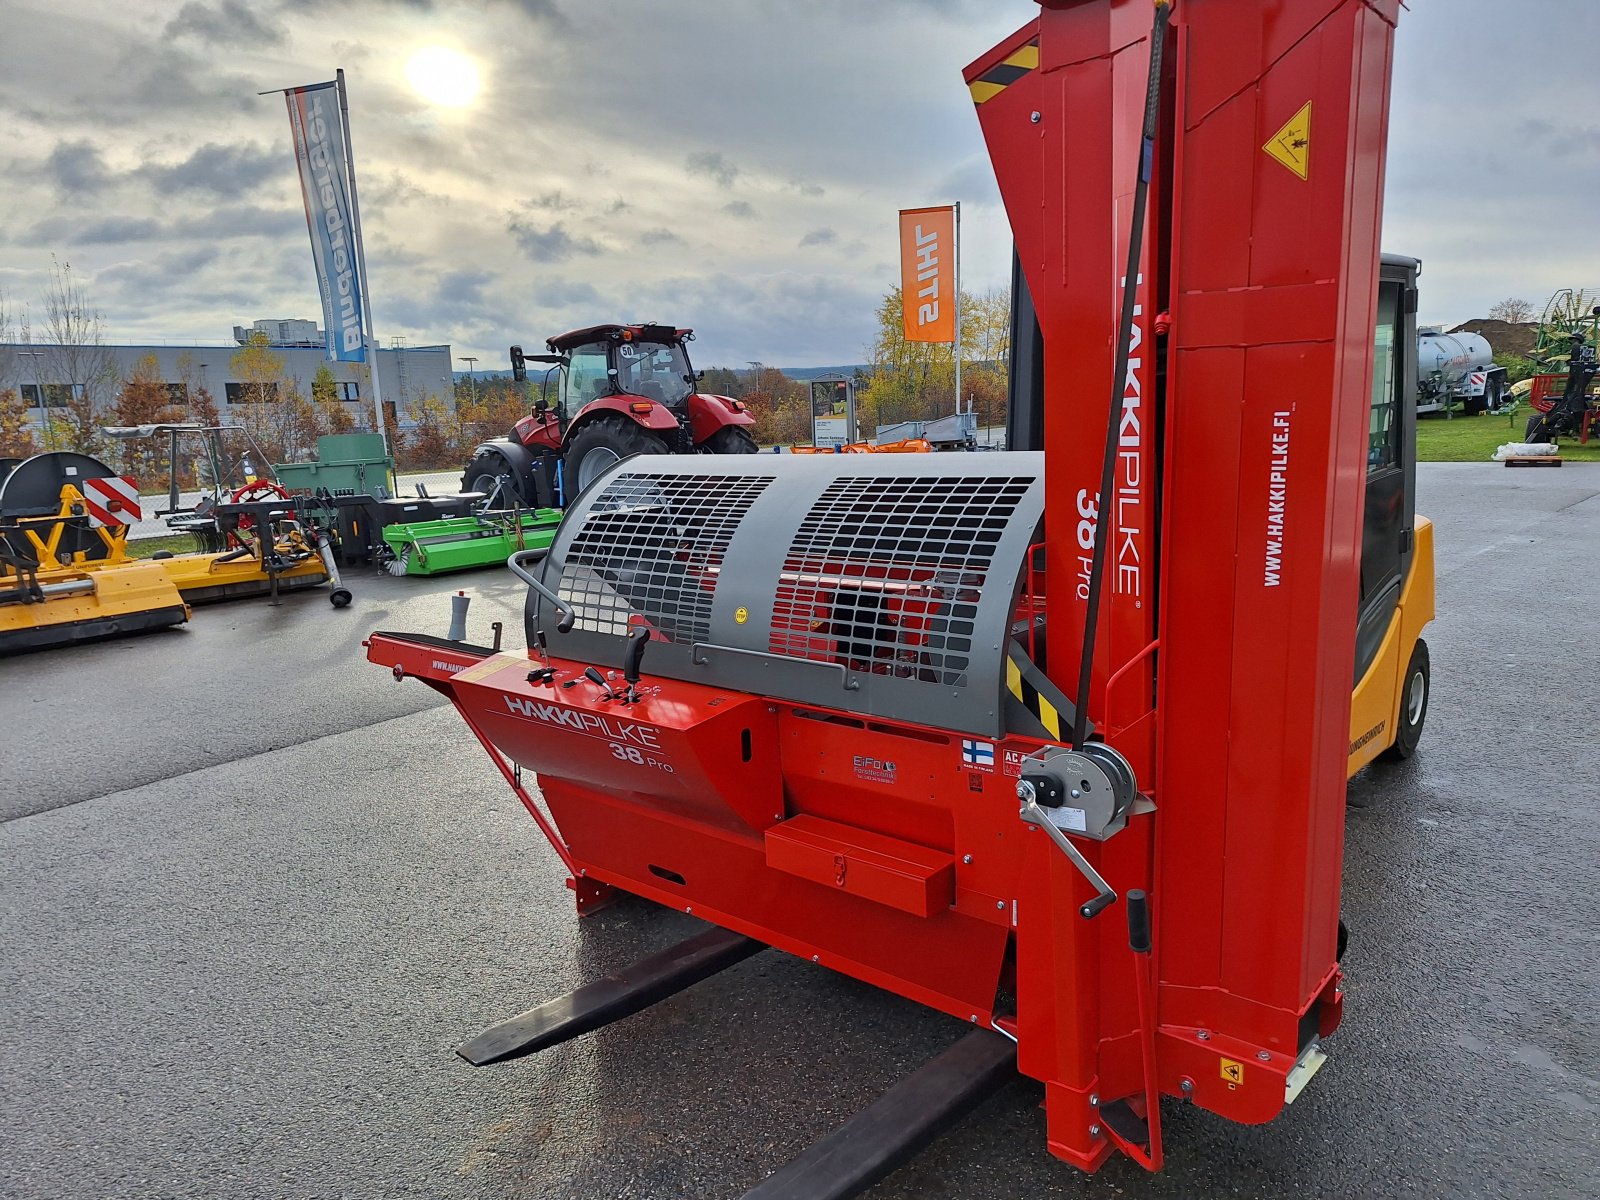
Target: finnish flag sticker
{"x":979,"y":755}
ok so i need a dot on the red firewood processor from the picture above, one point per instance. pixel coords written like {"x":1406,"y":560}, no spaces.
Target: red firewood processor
{"x":1053,"y":740}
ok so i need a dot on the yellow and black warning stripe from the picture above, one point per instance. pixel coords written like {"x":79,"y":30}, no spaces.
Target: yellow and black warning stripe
{"x":1004,"y":73}
{"x":1044,"y":702}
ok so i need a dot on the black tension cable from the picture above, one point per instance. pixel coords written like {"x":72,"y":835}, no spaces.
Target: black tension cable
{"x":1141,"y":193}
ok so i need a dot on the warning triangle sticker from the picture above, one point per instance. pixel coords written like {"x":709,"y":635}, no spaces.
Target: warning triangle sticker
{"x":1291,"y":145}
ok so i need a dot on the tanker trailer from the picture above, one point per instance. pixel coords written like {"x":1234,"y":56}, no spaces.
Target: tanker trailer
{"x":1457,"y":369}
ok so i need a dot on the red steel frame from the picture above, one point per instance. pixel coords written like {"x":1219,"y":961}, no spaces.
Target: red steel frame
{"x":869,"y":845}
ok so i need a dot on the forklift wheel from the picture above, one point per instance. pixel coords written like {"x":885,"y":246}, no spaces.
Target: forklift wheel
{"x":339,"y":597}
{"x":1413,"y":706}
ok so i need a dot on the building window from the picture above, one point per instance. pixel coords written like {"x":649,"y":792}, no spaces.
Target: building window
{"x":349,"y":391}
{"x":56,"y":395}
{"x":248,"y":393}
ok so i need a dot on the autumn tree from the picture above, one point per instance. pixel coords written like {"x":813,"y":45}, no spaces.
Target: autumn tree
{"x":915,"y":381}
{"x":435,"y":439}
{"x":16,"y":432}
{"x":143,"y":399}
{"x":1517,"y":312}
{"x":79,"y":371}
{"x":332,"y":412}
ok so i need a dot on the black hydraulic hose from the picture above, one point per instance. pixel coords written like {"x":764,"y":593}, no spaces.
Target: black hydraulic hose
{"x":1141,"y":194}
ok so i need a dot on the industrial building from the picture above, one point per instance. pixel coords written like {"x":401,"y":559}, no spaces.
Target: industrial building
{"x":406,"y":373}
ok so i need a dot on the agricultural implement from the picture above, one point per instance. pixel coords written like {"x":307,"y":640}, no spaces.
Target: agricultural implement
{"x":484,"y":539}
{"x":1053,"y":741}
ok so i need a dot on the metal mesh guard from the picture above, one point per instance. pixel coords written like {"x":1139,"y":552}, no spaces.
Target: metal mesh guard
{"x":885,"y":573}
{"x":653,"y":545}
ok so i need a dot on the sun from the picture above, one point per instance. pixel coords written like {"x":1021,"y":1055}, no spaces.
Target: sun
{"x":443,"y":76}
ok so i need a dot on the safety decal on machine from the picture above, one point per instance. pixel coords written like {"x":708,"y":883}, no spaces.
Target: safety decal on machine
{"x":1004,"y":73}
{"x":1291,"y":145}
{"x":1233,"y":1073}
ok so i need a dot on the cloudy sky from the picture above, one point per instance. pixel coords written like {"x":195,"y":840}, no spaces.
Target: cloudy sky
{"x":734,"y":165}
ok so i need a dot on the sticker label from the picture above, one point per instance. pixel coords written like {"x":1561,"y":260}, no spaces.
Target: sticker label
{"x":741,"y":614}
{"x":1291,"y":145}
{"x":978,"y":756}
{"x":1233,"y":1073}
{"x":1013,"y":763}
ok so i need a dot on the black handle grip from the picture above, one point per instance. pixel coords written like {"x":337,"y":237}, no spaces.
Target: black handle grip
{"x":1097,"y":906}
{"x":638,"y":638}
{"x":564,"y":625}
{"x":1138,"y":922}
{"x":592,"y":674}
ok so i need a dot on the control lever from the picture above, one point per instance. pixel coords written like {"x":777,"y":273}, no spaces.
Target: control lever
{"x":1033,"y":814}
{"x":638,"y":639}
{"x":592,"y":674}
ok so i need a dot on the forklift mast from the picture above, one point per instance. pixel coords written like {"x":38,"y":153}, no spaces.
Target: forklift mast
{"x":1221,"y":668}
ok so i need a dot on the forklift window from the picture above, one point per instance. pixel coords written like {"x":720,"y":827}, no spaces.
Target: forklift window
{"x":1383,"y":437}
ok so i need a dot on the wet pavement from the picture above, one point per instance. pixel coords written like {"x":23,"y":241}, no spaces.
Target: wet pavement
{"x":253,"y":893}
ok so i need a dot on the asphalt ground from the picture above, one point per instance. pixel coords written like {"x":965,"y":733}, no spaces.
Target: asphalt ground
{"x":253,"y":893}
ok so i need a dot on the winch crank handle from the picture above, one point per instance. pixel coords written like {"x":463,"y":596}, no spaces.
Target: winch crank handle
{"x":564,"y":625}
{"x":1033,"y":814}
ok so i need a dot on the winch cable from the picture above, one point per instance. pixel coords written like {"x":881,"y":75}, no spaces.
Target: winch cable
{"x":1141,"y":194}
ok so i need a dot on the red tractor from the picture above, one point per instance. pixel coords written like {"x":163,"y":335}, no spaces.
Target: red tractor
{"x":622,"y":390}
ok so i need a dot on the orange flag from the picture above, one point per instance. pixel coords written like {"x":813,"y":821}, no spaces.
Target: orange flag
{"x":928,"y":273}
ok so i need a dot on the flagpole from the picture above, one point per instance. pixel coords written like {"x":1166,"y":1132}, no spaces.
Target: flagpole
{"x":368,"y":334}
{"x":957,"y":345}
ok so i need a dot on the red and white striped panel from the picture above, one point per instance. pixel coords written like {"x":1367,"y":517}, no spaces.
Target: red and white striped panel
{"x":112,"y":501}
{"x":1477,"y":378}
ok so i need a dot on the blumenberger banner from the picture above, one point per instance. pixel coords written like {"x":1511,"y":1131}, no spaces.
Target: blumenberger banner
{"x":321,"y":154}
{"x":928,"y":273}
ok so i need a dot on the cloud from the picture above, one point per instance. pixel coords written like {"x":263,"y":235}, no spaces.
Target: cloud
{"x":78,"y":167}
{"x":69,"y":231}
{"x":712,"y":164}
{"x":659,"y":237}
{"x":820,"y":237}
{"x":230,"y":22}
{"x":556,"y":201}
{"x":229,"y":171}
{"x":553,"y":244}
{"x":739,"y":208}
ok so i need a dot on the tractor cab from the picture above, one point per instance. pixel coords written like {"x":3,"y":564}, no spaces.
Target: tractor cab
{"x":645,"y":362}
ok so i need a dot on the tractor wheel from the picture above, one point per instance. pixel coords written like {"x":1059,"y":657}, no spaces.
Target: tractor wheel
{"x":730,"y":439}
{"x":485,"y":470}
{"x":1413,"y":706}
{"x":602,"y":443}
{"x":1535,"y":435}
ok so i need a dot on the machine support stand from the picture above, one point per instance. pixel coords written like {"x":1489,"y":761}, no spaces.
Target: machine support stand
{"x":591,"y":894}
{"x":612,"y":998}
{"x":903,"y":1120}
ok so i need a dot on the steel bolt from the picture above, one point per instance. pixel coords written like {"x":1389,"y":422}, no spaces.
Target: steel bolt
{"x":967,"y":858}
{"x":1034,"y":117}
{"x":1000,"y":904}
{"x":1263,"y":1056}
{"x":1094,"y":1100}
{"x":1076,"y":793}
{"x":816,"y":958}
{"x":1187,"y":1087}
{"x":688,"y":908}
{"x":1094,"y":1131}
{"x":1204,"y":1035}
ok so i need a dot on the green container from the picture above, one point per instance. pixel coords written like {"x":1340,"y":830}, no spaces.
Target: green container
{"x":461,"y":543}
{"x":348,"y":464}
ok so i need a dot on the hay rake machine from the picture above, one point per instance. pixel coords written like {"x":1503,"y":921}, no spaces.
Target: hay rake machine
{"x":1055,"y":742}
